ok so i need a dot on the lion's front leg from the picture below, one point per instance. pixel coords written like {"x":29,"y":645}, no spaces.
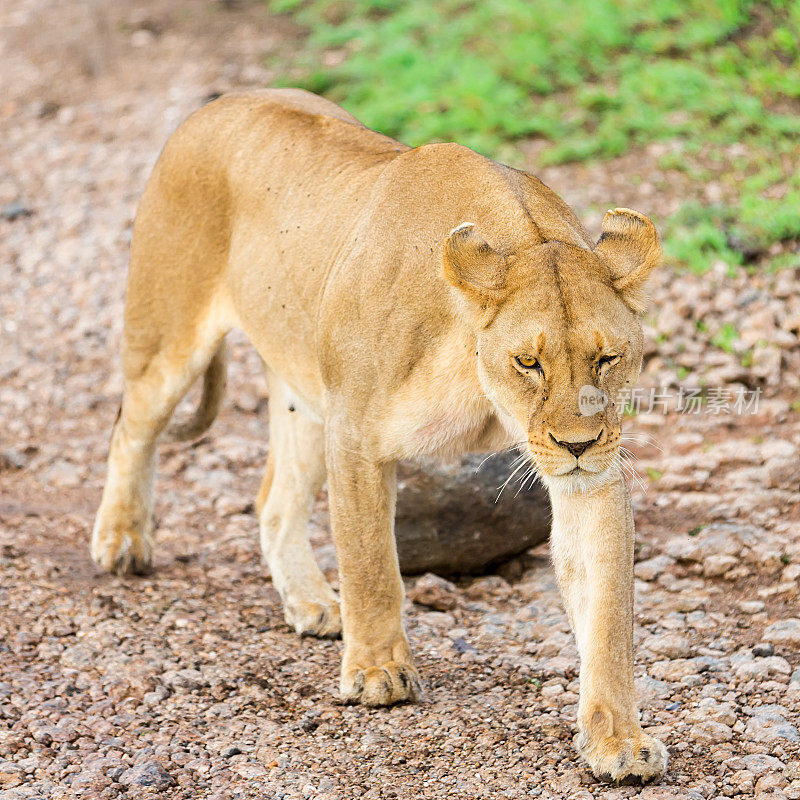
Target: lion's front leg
{"x":592,"y":545}
{"x":377,"y":666}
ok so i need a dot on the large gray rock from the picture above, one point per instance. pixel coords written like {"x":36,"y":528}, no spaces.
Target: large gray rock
{"x":449,"y":519}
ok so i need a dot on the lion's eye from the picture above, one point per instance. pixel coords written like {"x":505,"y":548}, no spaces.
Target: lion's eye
{"x":604,"y":363}
{"x":528,"y":362}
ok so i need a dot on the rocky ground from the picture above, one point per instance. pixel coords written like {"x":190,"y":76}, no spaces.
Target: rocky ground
{"x":187,"y":683}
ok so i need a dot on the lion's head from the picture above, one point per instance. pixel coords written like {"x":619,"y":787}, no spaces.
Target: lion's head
{"x":558,"y":337}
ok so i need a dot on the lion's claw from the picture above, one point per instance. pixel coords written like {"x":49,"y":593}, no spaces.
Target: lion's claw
{"x":321,"y":619}
{"x":382,"y":685}
{"x":625,"y":762}
{"x":122,"y":552}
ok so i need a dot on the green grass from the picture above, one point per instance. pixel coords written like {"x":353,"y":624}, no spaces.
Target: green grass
{"x":725,"y":338}
{"x":594,"y":79}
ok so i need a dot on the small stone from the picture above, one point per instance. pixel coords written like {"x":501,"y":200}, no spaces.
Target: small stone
{"x":62,"y":473}
{"x":230,"y":506}
{"x":648,"y":688}
{"x":759,"y":763}
{"x":679,"y":668}
{"x":784,"y":632}
{"x":64,"y":733}
{"x":762,"y":667}
{"x":752,"y":606}
{"x":156,"y":697}
{"x":434,"y":592}
{"x":782,"y":473}
{"x":43,"y":735}
{"x":310,"y":721}
{"x":766,"y":783}
{"x":247,"y":768}
{"x":763,"y":649}
{"x":267,"y":754}
{"x":766,"y":363}
{"x":116,"y":771}
{"x":671,"y":645}
{"x":14,"y":211}
{"x":791,"y":573}
{"x":142,"y":38}
{"x":711,"y":732}
{"x":708,"y":708}
{"x":719,"y":538}
{"x":91,"y":781}
{"x":12,"y":459}
{"x":149,"y":774}
{"x":716,"y":565}
{"x":743,"y":781}
{"x":771,"y":728}
{"x":11,"y":774}
{"x":185,"y":679}
{"x":654,"y":793}
{"x":650,"y":569}
{"x":552,"y":690}
{"x":79,"y":656}
{"x":437,"y":619}
{"x":373,"y":739}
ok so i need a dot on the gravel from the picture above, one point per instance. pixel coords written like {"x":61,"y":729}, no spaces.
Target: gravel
{"x":187,"y":683}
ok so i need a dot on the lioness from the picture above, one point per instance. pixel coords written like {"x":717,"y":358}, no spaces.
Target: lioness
{"x":405,"y":302}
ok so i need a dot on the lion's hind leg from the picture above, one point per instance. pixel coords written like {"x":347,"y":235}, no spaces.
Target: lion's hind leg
{"x":294,"y":475}
{"x":122,"y":537}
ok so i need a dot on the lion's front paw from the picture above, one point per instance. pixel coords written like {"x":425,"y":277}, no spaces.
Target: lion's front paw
{"x":627,"y":762}
{"x":383,"y":685}
{"x":321,"y":619}
{"x":122,"y":550}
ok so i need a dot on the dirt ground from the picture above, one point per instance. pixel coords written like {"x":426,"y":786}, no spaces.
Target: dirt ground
{"x":187,"y":683}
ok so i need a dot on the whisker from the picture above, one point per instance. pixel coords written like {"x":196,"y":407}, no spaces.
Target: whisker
{"x":508,"y":479}
{"x":641,"y":439}
{"x":522,"y":481}
{"x":624,"y":465}
{"x":491,"y":455}
{"x":630,"y":471}
{"x":530,"y":477}
{"x":512,"y":446}
{"x":628,"y":453}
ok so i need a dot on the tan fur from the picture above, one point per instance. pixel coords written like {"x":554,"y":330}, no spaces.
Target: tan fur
{"x":388,"y":291}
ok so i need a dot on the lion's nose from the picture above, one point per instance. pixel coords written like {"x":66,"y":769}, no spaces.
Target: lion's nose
{"x":576,"y":448}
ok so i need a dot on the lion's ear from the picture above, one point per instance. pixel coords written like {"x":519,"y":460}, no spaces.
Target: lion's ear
{"x":472,"y":266}
{"x":630,"y":244}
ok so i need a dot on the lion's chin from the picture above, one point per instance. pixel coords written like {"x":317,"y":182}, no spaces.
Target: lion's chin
{"x":579,"y":479}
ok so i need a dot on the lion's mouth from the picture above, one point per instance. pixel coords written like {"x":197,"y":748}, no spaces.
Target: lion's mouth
{"x":570,"y":473}
{"x":580,"y":470}
{"x":552,"y":464}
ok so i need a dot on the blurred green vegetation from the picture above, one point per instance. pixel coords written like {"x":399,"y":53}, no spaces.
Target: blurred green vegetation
{"x":595,"y":78}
